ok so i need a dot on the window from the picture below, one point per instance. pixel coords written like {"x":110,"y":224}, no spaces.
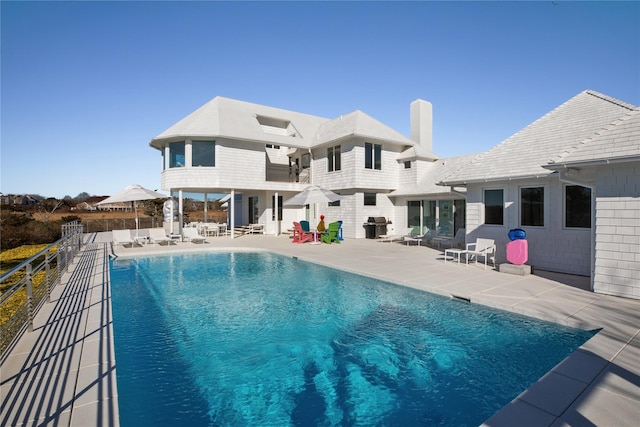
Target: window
{"x":407,"y":164}
{"x":494,"y":207}
{"x":203,"y":153}
{"x":577,"y":205}
{"x":176,"y":155}
{"x":277,"y":126}
{"x":306,"y":160}
{"x":445,"y":218}
{"x":254,"y":212}
{"x":532,"y":206}
{"x":369,"y":199}
{"x":372,"y":156}
{"x":414,"y":210}
{"x":333,"y":158}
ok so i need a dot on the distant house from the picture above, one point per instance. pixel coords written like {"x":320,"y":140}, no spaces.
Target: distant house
{"x":117,"y":206}
{"x":577,"y":163}
{"x":84,"y":206}
{"x":546,"y":179}
{"x":28,"y":200}
{"x":5,"y":200}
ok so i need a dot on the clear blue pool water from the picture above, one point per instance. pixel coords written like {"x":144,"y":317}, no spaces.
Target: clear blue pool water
{"x":258,"y":339}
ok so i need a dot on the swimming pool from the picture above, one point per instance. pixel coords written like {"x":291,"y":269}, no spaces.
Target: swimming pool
{"x":261,"y":339}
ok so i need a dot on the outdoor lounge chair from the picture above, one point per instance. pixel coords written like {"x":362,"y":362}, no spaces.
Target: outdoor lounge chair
{"x":122,"y":237}
{"x":299,"y":235}
{"x":425,"y":238}
{"x":255,"y":228}
{"x":332,"y":233}
{"x":485,"y":248}
{"x":393,"y":237}
{"x":191,"y":235}
{"x":157,"y":235}
{"x":457,"y":241}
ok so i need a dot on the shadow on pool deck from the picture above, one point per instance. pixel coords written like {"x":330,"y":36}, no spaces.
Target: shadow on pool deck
{"x":64,"y":371}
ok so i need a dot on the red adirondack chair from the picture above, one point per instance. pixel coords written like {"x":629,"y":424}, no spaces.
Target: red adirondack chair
{"x":299,"y":235}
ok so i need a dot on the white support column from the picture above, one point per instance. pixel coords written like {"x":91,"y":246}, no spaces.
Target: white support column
{"x":180,"y":211}
{"x":232,"y":209}
{"x":275,"y":207}
{"x":206,"y":202}
{"x":171,"y":210}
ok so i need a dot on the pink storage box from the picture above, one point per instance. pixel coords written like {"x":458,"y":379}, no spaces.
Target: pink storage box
{"x":518,"y":252}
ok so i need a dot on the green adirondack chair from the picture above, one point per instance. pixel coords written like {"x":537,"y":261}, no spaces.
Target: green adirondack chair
{"x":331,"y":235}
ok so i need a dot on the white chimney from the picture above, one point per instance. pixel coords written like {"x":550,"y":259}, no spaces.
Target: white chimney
{"x":422,"y":123}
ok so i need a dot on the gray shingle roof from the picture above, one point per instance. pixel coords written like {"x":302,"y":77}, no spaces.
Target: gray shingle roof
{"x":435,"y":172}
{"x":525,"y":153}
{"x":618,"y":141}
{"x":417,"y":152}
{"x":230,"y":118}
{"x":233,"y":119}
{"x":359,"y":124}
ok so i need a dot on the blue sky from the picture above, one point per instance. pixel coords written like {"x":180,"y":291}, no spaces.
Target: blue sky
{"x":86,"y":85}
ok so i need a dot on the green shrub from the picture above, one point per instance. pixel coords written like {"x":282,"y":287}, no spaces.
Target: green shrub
{"x":19,"y":229}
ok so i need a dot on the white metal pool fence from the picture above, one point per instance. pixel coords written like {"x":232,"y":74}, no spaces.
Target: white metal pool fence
{"x":27,"y":286}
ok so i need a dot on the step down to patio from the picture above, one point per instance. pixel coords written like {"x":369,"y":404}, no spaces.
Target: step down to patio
{"x":521,"y":270}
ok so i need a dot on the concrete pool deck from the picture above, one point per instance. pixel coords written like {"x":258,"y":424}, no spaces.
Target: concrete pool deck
{"x":63,"y":373}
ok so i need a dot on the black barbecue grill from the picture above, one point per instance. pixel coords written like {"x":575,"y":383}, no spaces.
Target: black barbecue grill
{"x":375,"y":227}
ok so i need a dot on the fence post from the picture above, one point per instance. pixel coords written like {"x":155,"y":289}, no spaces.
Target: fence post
{"x":79,"y":237}
{"x":47,"y":269}
{"x":68,"y":247}
{"x":29,"y":298}
{"x":59,"y":263}
{"x":65,"y":255}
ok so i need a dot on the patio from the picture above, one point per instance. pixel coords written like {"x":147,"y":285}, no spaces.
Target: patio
{"x":64,"y":371}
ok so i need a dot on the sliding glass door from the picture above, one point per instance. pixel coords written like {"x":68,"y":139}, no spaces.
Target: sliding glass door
{"x":445,"y":216}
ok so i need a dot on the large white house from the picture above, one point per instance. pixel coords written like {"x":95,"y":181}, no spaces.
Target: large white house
{"x":552,"y":179}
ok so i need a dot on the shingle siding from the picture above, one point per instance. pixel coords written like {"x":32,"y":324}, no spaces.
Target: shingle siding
{"x":551,"y":247}
{"x":230,"y":159}
{"x":617,"y":267}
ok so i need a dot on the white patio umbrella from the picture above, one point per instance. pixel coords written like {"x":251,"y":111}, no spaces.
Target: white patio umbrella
{"x":311,"y":195}
{"x":133,"y":193}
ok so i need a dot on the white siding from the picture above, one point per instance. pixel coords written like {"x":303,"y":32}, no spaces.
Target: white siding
{"x":352,"y":181}
{"x":344,"y":178}
{"x":551,"y":247}
{"x":408,"y":177}
{"x":238,"y":165}
{"x":617,"y":269}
